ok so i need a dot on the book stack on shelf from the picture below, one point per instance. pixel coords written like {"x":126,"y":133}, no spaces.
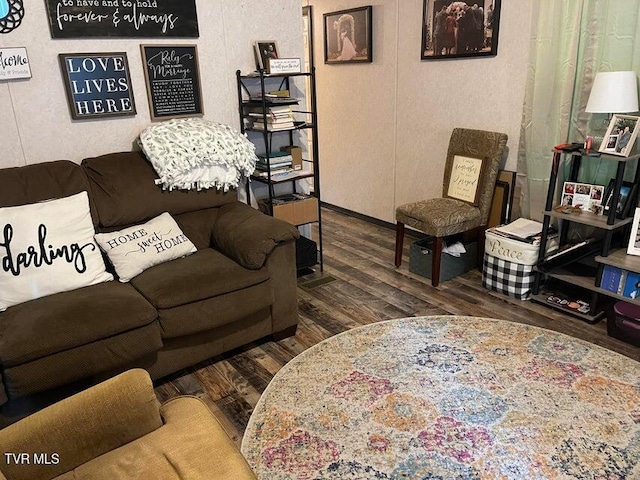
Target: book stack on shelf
{"x":278,"y":118}
{"x":273,"y":98}
{"x":280,"y":163}
{"x":620,"y":281}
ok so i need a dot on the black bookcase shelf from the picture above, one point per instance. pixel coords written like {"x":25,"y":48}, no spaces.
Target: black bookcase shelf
{"x":609,"y":224}
{"x":257,"y":84}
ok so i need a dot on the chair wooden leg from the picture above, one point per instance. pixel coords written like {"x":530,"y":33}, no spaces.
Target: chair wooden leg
{"x":399,"y":242}
{"x":480,"y":246}
{"x":435,"y":261}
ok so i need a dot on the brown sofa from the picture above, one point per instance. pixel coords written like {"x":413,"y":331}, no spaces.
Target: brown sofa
{"x":116,"y":430}
{"x":239,"y":286}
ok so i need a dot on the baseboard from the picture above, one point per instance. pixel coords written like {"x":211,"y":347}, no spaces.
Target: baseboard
{"x":373,"y":220}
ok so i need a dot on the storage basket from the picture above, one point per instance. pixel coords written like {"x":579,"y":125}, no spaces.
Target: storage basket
{"x":508,"y":266}
{"x":509,"y":278}
{"x":420,"y":258}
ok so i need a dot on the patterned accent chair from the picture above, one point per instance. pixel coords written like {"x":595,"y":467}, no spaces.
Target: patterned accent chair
{"x":442,"y":217}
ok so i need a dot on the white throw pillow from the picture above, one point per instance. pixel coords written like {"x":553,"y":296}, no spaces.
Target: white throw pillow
{"x":47,"y":248}
{"x":135,"y":249}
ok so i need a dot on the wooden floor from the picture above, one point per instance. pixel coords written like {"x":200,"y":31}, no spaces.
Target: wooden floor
{"x":367,"y":289}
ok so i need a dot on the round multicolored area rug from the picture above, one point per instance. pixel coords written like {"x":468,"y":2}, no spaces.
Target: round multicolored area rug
{"x":449,"y":398}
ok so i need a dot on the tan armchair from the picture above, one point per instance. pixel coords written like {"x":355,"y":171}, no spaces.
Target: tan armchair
{"x":441,"y":217}
{"x":117,"y":430}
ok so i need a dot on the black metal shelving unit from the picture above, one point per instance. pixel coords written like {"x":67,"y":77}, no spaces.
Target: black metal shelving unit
{"x":609,"y":223}
{"x":260,"y":83}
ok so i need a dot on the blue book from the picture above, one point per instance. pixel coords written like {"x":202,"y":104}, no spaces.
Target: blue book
{"x":632,"y":285}
{"x":611,"y":278}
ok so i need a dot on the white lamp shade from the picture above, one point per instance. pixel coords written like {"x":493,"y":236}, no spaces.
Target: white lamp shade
{"x":614,"y":92}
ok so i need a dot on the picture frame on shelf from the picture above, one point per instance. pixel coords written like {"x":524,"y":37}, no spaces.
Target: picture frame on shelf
{"x":621,"y":135}
{"x":633,"y":248}
{"x":585,"y":195}
{"x":627,"y":192}
{"x":348,"y":36}
{"x":459,"y":29}
{"x":263,"y":51}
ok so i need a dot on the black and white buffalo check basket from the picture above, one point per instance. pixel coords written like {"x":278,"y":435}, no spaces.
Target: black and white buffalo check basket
{"x":512,"y":279}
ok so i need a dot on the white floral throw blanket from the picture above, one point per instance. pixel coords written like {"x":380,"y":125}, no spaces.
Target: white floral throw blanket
{"x":196,"y":153}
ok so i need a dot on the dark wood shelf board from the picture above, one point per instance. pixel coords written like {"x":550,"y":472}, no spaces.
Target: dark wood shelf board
{"x":275,"y":75}
{"x":275,"y":182}
{"x":589,"y":218}
{"x":567,"y":276}
{"x":301,"y":126}
{"x":541,"y":298}
{"x":586,"y":282}
{"x":619,"y":258}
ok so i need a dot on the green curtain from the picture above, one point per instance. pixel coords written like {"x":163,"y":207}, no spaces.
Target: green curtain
{"x":571,"y":41}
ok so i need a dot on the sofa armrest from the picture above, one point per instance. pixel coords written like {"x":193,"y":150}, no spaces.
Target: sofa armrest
{"x":212,"y":448}
{"x":3,"y":394}
{"x":82,"y":427}
{"x":249,"y":236}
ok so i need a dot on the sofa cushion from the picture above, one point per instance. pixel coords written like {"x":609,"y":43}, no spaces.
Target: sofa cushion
{"x":105,"y":356}
{"x":46,"y":248}
{"x":42,"y":181}
{"x":197,"y":225}
{"x":82,"y":427}
{"x":205,"y":274}
{"x":66,"y":320}
{"x":215,"y":312}
{"x":131,"y":198}
{"x":137,"y":248}
{"x":191,"y":445}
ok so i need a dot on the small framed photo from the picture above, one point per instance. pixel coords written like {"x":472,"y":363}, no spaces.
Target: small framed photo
{"x":347,"y":36}
{"x":623,"y":205}
{"x":621,"y":135}
{"x":634,"y":240}
{"x":265,"y":50}
{"x":459,"y":29}
{"x":583,"y":195}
